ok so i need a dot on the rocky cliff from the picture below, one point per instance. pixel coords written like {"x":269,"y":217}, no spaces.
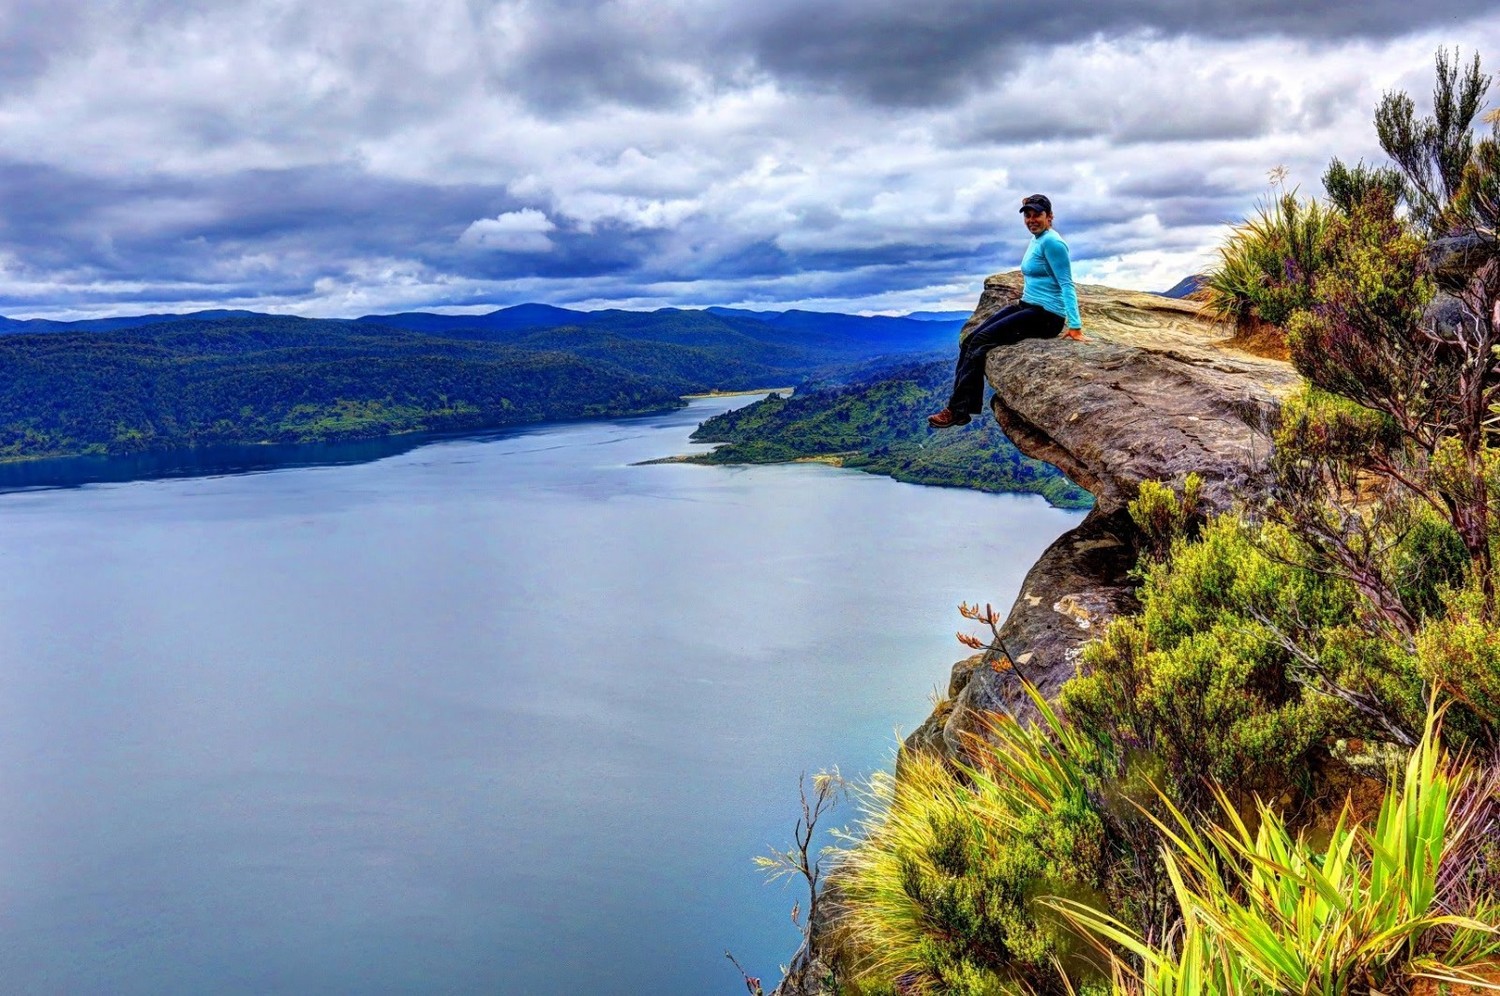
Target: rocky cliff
{"x":1156,"y":392}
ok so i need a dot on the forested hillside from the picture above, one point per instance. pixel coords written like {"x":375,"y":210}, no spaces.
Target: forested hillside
{"x":261,"y":378}
{"x":875,"y":419}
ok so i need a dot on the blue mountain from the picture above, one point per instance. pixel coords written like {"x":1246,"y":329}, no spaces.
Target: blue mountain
{"x":894,"y":334}
{"x":521,"y":316}
{"x":844,"y":336}
{"x":1186,"y":286}
{"x":116,"y":323}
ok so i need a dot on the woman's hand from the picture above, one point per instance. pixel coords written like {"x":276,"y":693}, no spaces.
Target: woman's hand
{"x":1075,"y":334}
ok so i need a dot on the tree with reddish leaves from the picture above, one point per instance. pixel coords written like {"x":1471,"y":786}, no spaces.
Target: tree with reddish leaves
{"x":1431,"y":386}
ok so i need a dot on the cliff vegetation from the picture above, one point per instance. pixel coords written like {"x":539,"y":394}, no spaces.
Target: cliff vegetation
{"x":1271,"y":765}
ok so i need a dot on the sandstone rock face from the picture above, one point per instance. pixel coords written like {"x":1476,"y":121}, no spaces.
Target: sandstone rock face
{"x":1153,"y":395}
{"x":1156,"y":392}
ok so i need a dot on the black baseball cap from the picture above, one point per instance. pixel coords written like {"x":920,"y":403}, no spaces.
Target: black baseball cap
{"x":1037,"y":202}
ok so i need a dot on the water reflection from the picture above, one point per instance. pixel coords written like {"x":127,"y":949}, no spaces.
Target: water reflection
{"x":217,"y":460}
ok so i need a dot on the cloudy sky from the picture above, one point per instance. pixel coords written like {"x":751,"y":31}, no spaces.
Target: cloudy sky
{"x":344,"y":157}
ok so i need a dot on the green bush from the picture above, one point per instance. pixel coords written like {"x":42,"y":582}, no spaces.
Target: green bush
{"x":1267,"y":265}
{"x":1349,"y":187}
{"x":1162,"y":514}
{"x":1230,"y":669}
{"x":1459,"y":653}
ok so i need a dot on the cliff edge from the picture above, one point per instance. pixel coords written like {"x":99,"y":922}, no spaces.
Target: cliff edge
{"x":1156,"y":392}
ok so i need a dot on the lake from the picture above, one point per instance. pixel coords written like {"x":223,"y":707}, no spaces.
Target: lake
{"x":496,"y":714}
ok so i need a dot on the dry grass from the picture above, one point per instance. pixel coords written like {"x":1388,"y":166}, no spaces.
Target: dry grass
{"x":1259,"y":338}
{"x":1431,"y":987}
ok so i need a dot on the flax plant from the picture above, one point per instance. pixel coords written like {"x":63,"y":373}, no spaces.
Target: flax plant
{"x":1267,"y":264}
{"x":1265,"y":912}
{"x":939,"y":887}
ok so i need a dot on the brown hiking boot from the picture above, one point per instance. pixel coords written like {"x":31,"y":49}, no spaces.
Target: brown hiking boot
{"x":947,"y":418}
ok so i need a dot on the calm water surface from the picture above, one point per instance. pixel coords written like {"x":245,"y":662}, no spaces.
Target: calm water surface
{"x":495,"y":715}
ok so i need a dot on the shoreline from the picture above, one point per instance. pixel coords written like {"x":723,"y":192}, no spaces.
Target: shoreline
{"x":49,"y":471}
{"x":738,"y":393}
{"x":840,"y":461}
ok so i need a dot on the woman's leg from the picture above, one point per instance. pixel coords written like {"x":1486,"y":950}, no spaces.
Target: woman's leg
{"x":1012,"y":324}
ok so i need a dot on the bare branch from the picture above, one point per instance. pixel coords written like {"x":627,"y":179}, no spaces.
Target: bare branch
{"x":1313,"y":675}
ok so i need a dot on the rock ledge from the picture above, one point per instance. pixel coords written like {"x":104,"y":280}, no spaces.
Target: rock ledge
{"x":1156,"y":392}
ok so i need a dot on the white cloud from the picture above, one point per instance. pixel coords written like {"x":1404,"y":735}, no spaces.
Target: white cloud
{"x":515,"y":231}
{"x":622,"y":157}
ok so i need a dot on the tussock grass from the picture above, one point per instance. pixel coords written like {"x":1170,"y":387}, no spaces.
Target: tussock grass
{"x":1267,"y":264}
{"x":1264,"y":911}
{"x":941,"y":884}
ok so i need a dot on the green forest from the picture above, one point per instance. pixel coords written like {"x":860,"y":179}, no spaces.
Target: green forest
{"x":874,"y":418}
{"x":260,"y":378}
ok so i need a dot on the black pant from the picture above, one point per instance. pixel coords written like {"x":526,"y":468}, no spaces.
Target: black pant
{"x":1007,"y":326}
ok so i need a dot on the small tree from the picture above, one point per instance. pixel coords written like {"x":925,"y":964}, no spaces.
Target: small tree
{"x":1350,"y":186}
{"x":1432,"y":387}
{"x":1432,"y":152}
{"x":1478,"y":198}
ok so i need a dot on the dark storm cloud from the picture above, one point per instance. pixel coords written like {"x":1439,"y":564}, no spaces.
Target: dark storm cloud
{"x":278,"y":232}
{"x":569,"y":53}
{"x":1191,"y":211}
{"x":1178,"y":199}
{"x":903,"y":53}
{"x":752,"y":260}
{"x":284,"y":228}
{"x":35,"y":33}
{"x":1171,"y":184}
{"x":607,"y":250}
{"x":341,"y":156}
{"x":32,"y":33}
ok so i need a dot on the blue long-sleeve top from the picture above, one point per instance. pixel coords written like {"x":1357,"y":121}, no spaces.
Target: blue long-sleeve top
{"x":1049,"y":277}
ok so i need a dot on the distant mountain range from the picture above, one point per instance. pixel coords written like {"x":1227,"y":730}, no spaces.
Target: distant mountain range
{"x":158,"y":382}
{"x":13,"y":325}
{"x":1186,"y":286}
{"x":520,"y":317}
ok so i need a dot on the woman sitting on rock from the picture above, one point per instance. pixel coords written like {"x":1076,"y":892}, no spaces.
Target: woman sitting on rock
{"x":1048,"y":301}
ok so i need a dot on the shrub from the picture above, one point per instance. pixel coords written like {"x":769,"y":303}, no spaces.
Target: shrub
{"x":1267,"y":265}
{"x":1459,"y":653}
{"x":940,"y":891}
{"x":1435,"y":387}
{"x":1240,"y":666}
{"x":1350,"y":187}
{"x":1162,"y":514}
{"x":1370,"y":294}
